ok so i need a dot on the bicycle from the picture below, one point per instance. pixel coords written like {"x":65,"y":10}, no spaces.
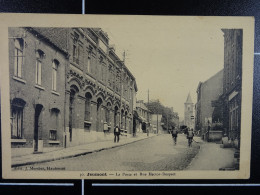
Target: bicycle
{"x":174,"y":140}
{"x":190,"y":142}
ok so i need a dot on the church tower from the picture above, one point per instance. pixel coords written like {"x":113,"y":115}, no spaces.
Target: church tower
{"x":188,"y":112}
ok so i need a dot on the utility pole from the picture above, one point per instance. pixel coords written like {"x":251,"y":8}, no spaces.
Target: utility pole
{"x":157,"y":116}
{"x":167,"y":122}
{"x":148,"y":118}
{"x":124,"y":56}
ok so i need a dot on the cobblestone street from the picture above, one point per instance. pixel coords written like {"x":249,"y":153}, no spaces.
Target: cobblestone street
{"x":155,"y":154}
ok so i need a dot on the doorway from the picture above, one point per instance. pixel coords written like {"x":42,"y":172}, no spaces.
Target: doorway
{"x":99,"y":115}
{"x":37,"y":126}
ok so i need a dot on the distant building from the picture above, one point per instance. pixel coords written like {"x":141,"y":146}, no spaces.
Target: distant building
{"x":208,"y":92}
{"x":144,"y":114}
{"x":188,"y":112}
{"x":233,"y":39}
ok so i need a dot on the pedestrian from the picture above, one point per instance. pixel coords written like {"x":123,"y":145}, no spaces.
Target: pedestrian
{"x":116,"y":133}
{"x":190,"y":135}
{"x":105,"y":128}
{"x":174,"y":135}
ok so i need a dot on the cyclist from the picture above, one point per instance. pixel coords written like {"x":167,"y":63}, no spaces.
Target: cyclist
{"x":190,"y":135}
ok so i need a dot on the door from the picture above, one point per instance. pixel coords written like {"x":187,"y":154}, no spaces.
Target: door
{"x":99,"y":115}
{"x":37,"y":126}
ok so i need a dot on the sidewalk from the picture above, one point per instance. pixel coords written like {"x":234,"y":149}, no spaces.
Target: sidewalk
{"x":212,"y":157}
{"x":24,"y":156}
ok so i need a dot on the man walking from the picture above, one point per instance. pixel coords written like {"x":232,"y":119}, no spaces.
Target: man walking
{"x":116,"y":133}
{"x":174,"y":135}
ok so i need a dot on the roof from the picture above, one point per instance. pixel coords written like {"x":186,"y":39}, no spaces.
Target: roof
{"x":140,"y":104}
{"x":55,"y":36}
{"x":189,"y":99}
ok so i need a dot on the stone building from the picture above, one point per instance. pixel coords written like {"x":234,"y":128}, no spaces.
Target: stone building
{"x":208,"y":92}
{"x":37,"y":89}
{"x":188,"y":112}
{"x":232,"y":81}
{"x":99,"y":89}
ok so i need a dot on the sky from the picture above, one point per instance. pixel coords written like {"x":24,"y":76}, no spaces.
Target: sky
{"x":170,"y":59}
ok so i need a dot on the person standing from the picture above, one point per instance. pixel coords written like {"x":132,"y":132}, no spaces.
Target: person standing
{"x":116,"y":133}
{"x":105,"y":128}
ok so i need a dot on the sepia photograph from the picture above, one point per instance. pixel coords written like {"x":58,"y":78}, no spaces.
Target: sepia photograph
{"x":126,"y":97}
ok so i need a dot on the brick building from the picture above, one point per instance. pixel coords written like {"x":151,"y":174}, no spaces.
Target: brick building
{"x":88,"y":87}
{"x":233,"y":39}
{"x":37,"y":91}
{"x":100,"y":90}
{"x":208,"y":92}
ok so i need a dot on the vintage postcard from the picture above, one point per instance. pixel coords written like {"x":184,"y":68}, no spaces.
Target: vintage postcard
{"x":126,"y":97}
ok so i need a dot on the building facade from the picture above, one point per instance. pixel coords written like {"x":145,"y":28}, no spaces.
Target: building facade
{"x":232,"y":81}
{"x":37,"y":90}
{"x":93,"y":87}
{"x":189,"y":112}
{"x":208,"y":92}
{"x":99,"y":89}
{"x":143,"y":124}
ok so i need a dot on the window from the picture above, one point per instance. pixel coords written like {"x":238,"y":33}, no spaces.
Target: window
{"x":54,"y":123}
{"x":55,"y":64}
{"x":103,"y":72}
{"x":108,"y":113}
{"x":76,"y":49}
{"x":18,"y":57}
{"x":38,"y":72}
{"x":88,"y":65}
{"x":53,"y":135}
{"x":87,"y":107}
{"x":17,"y":107}
{"x":110,"y":76}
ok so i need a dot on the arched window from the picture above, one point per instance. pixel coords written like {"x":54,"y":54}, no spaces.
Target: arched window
{"x":108,"y":113}
{"x":17,"y":107}
{"x":18,"y":57}
{"x":55,"y":65}
{"x":87,"y":107}
{"x":38,"y":71}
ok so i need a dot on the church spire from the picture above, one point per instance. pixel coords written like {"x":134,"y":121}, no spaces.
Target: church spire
{"x":188,"y":99}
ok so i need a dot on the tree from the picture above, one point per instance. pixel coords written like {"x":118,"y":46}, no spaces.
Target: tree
{"x":168,"y":116}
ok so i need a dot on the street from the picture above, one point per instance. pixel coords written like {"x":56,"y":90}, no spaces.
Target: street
{"x":154,"y":154}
